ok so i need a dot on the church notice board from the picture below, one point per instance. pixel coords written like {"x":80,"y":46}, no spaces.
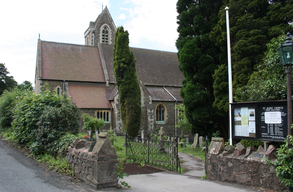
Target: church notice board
{"x":265,"y":121}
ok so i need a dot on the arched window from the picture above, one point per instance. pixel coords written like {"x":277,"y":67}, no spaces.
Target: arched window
{"x":105,"y":35}
{"x":58,"y":90}
{"x":160,"y":114}
{"x":103,"y":115}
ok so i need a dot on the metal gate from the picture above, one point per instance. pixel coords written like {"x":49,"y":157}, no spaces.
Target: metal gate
{"x":157,"y":153}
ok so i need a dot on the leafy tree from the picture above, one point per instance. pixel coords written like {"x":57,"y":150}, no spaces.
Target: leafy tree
{"x":6,"y":82}
{"x":92,"y":124}
{"x":41,"y":119}
{"x":253,"y":24}
{"x":198,"y":57}
{"x":182,"y":119}
{"x":25,"y":86}
{"x":126,"y":80}
{"x":8,"y":101}
{"x":269,"y":81}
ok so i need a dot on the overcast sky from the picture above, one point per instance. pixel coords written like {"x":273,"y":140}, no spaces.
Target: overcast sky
{"x":151,"y":24}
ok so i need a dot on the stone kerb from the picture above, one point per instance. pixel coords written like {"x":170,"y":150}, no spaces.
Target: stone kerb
{"x":97,"y":168}
{"x":242,"y":167}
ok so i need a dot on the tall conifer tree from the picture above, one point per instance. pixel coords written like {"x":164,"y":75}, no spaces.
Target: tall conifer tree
{"x":198,"y":57}
{"x":127,"y":82}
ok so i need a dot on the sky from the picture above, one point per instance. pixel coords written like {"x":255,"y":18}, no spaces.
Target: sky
{"x":151,"y":24}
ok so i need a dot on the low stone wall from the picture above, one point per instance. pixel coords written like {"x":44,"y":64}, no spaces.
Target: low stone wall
{"x":246,"y":167}
{"x":97,"y":168}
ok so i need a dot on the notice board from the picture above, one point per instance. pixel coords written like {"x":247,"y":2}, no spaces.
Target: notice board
{"x":260,"y":120}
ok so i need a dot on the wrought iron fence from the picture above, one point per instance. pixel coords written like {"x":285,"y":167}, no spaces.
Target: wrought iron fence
{"x":157,"y":153}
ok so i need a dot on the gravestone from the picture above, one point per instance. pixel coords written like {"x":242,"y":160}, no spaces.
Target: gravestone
{"x":161,"y":132}
{"x":195,"y":140}
{"x":186,"y":139}
{"x":216,"y":146}
{"x":142,"y":136}
{"x":200,"y":141}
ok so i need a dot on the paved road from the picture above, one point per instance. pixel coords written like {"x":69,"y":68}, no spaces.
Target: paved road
{"x":21,"y":174}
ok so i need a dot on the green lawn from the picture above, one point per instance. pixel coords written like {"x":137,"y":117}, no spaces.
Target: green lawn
{"x":192,"y":151}
{"x":120,"y":149}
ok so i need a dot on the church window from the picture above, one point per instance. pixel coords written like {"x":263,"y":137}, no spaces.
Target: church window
{"x":101,"y":114}
{"x":160,"y":114}
{"x":58,"y":90}
{"x":105,"y":35}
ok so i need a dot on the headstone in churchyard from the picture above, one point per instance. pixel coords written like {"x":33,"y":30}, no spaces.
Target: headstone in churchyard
{"x":239,"y":150}
{"x":271,"y":152}
{"x":142,"y":136}
{"x":195,"y":140}
{"x":186,"y":139}
{"x":216,"y":146}
{"x":161,"y":132}
{"x":200,"y":141}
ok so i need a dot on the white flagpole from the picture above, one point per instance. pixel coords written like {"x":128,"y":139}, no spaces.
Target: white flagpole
{"x":229,"y":73}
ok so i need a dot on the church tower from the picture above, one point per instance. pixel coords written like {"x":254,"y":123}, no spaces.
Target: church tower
{"x":102,"y":31}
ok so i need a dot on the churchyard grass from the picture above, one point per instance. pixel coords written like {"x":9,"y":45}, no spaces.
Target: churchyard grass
{"x":192,"y":151}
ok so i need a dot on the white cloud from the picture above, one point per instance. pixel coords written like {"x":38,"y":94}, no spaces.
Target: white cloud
{"x":22,"y":21}
{"x":122,"y":17}
{"x":154,"y":22}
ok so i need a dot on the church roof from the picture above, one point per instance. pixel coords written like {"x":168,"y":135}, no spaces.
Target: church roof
{"x":90,"y":95}
{"x":157,"y":68}
{"x":71,"y":62}
{"x":164,"y":94}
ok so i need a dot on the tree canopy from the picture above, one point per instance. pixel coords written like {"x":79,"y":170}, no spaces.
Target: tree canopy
{"x":127,"y":82}
{"x":202,"y":52}
{"x":198,"y":57}
{"x":6,"y":82}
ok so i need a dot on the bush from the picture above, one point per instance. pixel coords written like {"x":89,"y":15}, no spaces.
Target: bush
{"x":41,"y":119}
{"x":284,"y":163}
{"x":7,"y":102}
{"x":92,"y":124}
{"x":251,"y":143}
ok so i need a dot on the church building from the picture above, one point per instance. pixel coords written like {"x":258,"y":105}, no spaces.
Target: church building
{"x":85,"y":72}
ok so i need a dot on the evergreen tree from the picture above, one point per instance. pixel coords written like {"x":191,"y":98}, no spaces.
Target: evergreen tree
{"x":253,"y":24}
{"x":127,"y":82}
{"x":198,"y":57}
{"x":6,"y":82}
{"x":269,"y":81}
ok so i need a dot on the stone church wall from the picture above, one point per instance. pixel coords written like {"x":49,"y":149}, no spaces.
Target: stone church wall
{"x":91,"y":112}
{"x":53,"y":85}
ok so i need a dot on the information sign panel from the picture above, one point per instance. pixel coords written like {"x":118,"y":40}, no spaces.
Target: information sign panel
{"x":273,"y":122}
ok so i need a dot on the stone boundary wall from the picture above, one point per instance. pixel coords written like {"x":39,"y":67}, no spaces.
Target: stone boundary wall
{"x":242,"y":171}
{"x":241,"y":165}
{"x":97,"y":168}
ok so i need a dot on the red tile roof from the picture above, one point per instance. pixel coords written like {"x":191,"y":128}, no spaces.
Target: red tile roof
{"x":152,"y":67}
{"x":71,"y":62}
{"x":90,"y":96}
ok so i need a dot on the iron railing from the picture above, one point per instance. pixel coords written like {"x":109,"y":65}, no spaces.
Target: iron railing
{"x":157,"y":153}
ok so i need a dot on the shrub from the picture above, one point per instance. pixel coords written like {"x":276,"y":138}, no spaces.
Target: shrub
{"x":41,"y":119}
{"x":7,"y":102}
{"x":251,"y":143}
{"x":92,"y":124}
{"x":284,"y":163}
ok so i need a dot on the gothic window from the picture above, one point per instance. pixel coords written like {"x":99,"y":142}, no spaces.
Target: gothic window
{"x":105,"y":35}
{"x":101,"y":114}
{"x":160,"y":114}
{"x":58,"y":90}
